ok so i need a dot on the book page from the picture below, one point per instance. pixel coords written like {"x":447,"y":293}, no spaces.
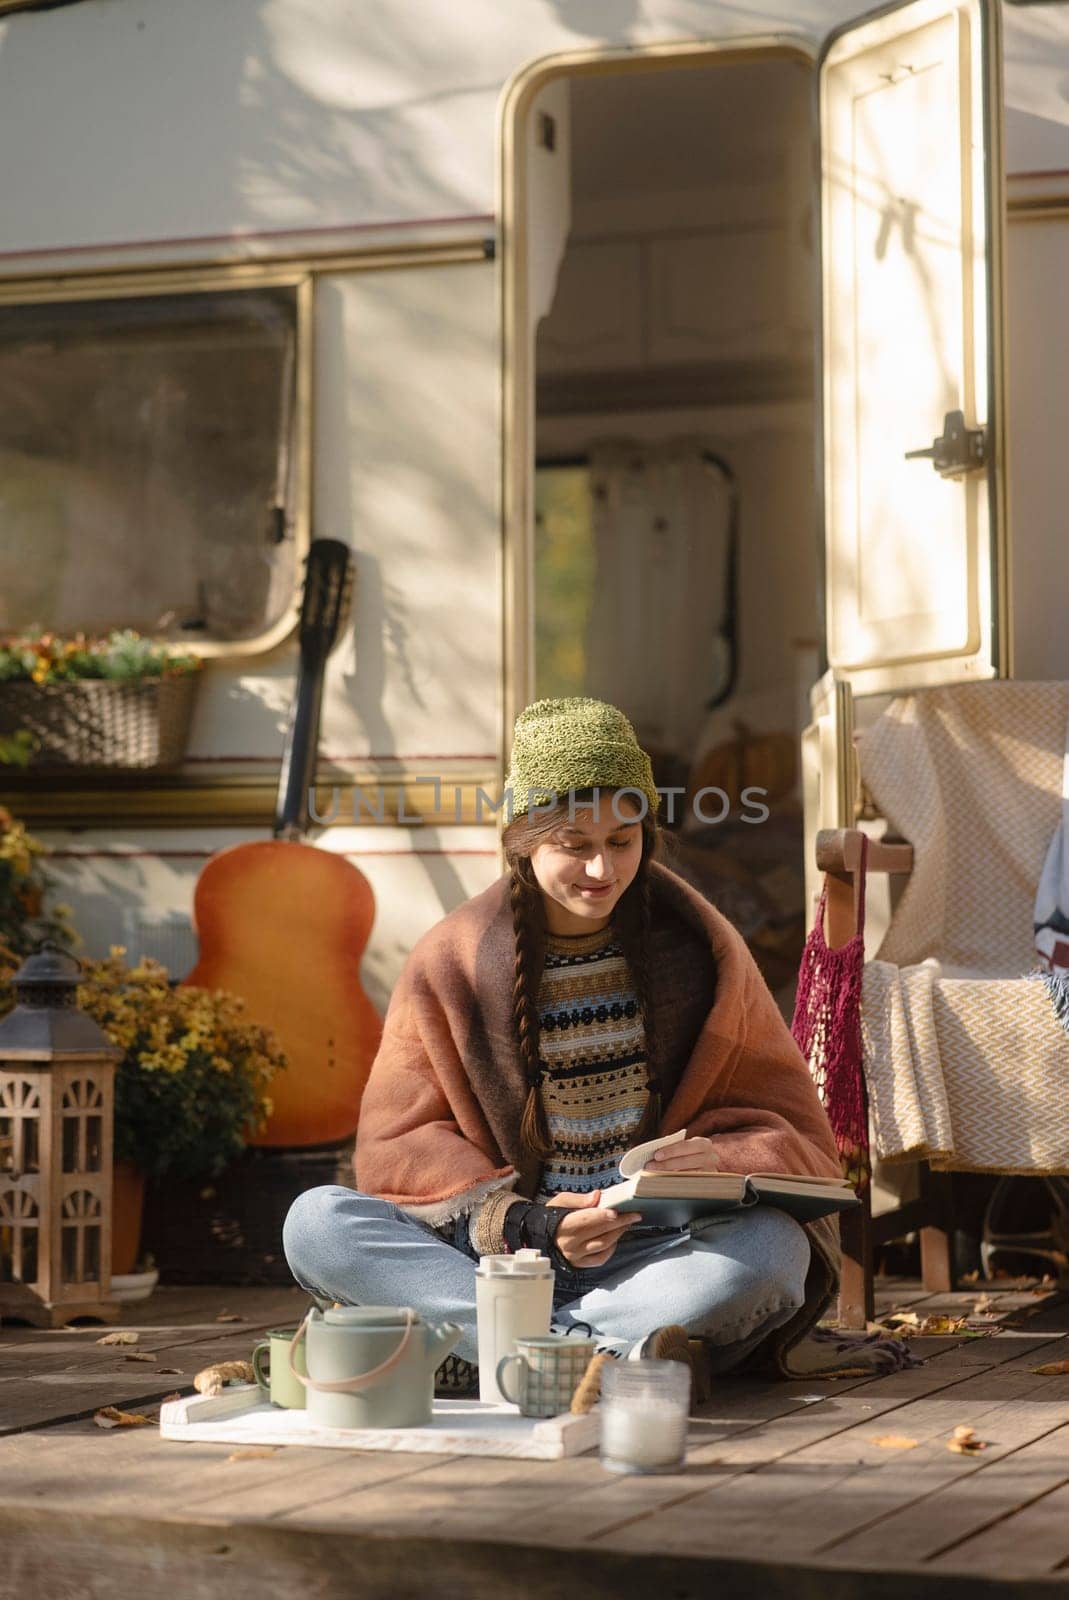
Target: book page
{"x":804,"y":1178}
{"x":634,"y":1160}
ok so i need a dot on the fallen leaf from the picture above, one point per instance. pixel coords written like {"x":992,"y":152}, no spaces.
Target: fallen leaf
{"x":849,"y":1372}
{"x":904,"y":1319}
{"x":169,"y":1397}
{"x":970,"y":1277}
{"x":963,"y":1442}
{"x":984,"y":1307}
{"x":112,"y":1417}
{"x":885,"y":1330}
{"x":895,"y":1441}
{"x":1053,"y":1369}
{"x":229,"y":1316}
{"x":253,"y":1453}
{"x":942,"y":1325}
{"x":907,"y":1323}
{"x":169,"y":1372}
{"x":138,"y":1355}
{"x":120,"y":1336}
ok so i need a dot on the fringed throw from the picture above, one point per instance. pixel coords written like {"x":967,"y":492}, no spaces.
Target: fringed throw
{"x":1056,"y":983}
{"x":1052,"y":896}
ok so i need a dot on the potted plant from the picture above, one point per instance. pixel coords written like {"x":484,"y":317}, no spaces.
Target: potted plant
{"x":191,"y":1086}
{"x":24,"y":919}
{"x":120,"y":701}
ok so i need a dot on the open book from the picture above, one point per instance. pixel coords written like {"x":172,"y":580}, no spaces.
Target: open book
{"x":672,"y":1199}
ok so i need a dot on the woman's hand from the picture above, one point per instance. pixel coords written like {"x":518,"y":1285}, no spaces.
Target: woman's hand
{"x":686,"y":1155}
{"x":589,"y":1233}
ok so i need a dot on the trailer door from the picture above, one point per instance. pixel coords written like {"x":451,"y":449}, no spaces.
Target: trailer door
{"x":911,"y":246}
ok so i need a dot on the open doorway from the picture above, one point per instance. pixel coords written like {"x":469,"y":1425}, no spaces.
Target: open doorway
{"x":675,"y":549}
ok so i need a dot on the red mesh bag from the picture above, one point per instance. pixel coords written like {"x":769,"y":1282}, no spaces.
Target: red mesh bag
{"x":827,"y":1029}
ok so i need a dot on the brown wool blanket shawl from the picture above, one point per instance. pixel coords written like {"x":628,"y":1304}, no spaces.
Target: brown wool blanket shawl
{"x":440,"y":1117}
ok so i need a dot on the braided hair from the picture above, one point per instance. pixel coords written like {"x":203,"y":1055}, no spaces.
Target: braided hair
{"x":633,"y":926}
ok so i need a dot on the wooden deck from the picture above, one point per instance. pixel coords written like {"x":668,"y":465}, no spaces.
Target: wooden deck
{"x":786,"y":1492}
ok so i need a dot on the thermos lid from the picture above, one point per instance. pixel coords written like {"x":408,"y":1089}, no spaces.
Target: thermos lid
{"x":524,"y":1264}
{"x":368,"y":1317}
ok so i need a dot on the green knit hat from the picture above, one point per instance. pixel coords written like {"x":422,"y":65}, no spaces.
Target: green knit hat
{"x":579,"y":743}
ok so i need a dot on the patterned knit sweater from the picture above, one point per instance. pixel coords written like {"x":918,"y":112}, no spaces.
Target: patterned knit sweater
{"x":592,"y":1044}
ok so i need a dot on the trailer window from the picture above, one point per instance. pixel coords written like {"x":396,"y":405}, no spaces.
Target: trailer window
{"x":145,"y":464}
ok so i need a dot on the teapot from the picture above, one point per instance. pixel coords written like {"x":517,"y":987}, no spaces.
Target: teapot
{"x":372,"y":1366}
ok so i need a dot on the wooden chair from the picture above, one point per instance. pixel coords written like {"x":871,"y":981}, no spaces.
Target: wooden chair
{"x":931,"y":1212}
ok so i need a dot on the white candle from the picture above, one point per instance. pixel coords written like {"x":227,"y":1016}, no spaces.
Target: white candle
{"x":642,"y":1435}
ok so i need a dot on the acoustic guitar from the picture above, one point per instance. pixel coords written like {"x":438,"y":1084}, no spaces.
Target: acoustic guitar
{"x":284,"y":925}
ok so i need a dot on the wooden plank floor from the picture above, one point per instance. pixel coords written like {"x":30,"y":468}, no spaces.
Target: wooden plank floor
{"x":786,"y":1489}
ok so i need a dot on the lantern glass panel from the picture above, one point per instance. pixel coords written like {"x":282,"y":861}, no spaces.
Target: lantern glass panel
{"x":31,"y":1151}
{"x":7,"y":1251}
{"x":70,"y":1143}
{"x":91,"y":1253}
{"x":69,"y":1255}
{"x":7,"y":1145}
{"x":94,"y":1141}
{"x":28,"y":1266}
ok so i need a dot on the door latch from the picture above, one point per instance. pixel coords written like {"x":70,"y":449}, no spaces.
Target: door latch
{"x":957,"y":450}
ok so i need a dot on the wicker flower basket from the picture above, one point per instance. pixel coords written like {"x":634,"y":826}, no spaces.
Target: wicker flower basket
{"x":102,"y":722}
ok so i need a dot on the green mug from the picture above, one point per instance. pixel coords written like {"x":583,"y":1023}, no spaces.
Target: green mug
{"x":279,"y":1382}
{"x":549,"y":1369}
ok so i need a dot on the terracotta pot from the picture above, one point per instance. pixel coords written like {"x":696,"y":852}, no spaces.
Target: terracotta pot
{"x":128,"y":1196}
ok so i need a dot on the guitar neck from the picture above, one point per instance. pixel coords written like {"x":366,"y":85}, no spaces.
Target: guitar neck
{"x":324,"y":607}
{"x":299,"y":756}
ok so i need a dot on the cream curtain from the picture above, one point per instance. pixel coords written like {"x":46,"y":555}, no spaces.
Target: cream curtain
{"x":660,"y":536}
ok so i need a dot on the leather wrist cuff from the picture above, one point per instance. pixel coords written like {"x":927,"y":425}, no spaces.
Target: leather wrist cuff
{"x":532,"y":1226}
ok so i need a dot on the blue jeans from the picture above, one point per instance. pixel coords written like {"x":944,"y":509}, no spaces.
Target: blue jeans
{"x":732,"y":1279}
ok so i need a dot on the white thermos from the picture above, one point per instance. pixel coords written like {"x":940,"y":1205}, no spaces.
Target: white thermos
{"x":513,"y":1300}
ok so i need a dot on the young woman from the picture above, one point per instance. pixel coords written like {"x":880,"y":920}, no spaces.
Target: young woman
{"x":587,"y":1001}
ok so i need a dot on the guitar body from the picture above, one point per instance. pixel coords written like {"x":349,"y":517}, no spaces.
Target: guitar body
{"x":285,"y":926}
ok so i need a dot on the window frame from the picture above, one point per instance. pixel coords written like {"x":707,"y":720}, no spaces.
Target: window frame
{"x":141,"y":284}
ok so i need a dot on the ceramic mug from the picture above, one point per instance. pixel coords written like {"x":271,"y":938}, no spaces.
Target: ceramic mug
{"x":279,"y":1382}
{"x":548,"y":1370}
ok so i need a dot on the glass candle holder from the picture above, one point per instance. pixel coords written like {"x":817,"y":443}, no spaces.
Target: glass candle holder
{"x":644,"y":1410}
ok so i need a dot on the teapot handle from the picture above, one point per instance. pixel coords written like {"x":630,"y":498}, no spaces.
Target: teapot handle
{"x":361,"y":1379}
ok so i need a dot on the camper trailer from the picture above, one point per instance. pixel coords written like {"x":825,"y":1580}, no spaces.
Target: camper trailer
{"x":709,"y":358}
